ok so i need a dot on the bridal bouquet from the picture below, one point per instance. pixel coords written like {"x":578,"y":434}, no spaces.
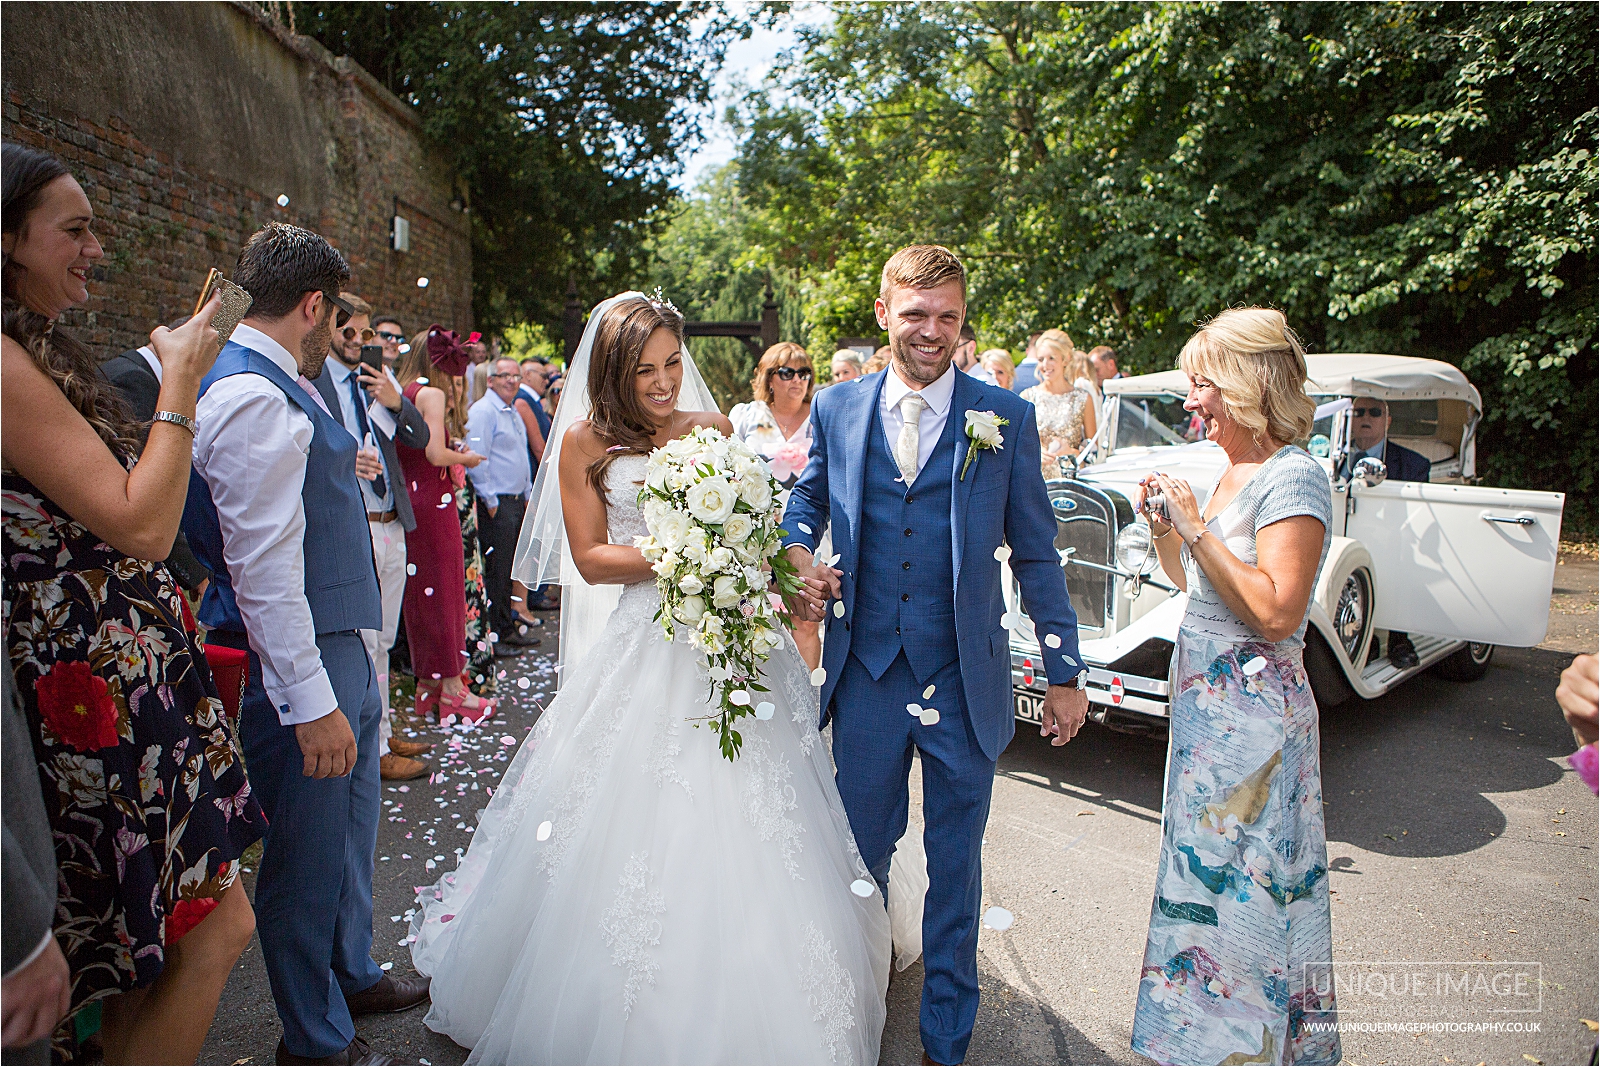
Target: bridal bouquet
{"x":712,"y":508}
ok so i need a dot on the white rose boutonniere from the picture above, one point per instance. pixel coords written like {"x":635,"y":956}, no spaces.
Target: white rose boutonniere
{"x":983,"y":430}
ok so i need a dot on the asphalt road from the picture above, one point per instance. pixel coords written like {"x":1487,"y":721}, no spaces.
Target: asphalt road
{"x":1456,"y":834}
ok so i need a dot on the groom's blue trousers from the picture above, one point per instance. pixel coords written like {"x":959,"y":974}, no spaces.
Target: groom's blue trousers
{"x":873,"y":739}
{"x":314,"y":887}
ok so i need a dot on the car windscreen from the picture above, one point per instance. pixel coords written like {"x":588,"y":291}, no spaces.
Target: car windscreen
{"x":1154,"y":420}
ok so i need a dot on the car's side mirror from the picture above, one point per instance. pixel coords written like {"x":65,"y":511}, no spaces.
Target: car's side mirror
{"x":1370,"y":471}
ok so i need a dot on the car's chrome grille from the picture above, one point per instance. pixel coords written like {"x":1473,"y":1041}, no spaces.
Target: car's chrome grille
{"x":1084,"y":524}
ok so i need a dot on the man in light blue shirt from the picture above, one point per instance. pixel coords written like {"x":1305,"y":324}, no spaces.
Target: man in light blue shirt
{"x":503,"y":481}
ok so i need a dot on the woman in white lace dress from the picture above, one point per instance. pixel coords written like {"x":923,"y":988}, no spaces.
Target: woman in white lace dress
{"x":631,"y":896}
{"x":1065,"y":408}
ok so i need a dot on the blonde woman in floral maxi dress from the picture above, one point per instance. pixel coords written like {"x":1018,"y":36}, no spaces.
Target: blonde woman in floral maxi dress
{"x":1236,"y":968}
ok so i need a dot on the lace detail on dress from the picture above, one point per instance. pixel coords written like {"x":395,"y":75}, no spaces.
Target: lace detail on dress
{"x":599,"y":735}
{"x":663,"y":756}
{"x":767,"y":796}
{"x":802,"y":697}
{"x":624,"y":520}
{"x":832,"y":990}
{"x":630,"y":927}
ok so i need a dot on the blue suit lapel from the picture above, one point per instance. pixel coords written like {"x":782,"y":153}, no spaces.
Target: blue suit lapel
{"x":965,"y":396}
{"x":856,"y":429}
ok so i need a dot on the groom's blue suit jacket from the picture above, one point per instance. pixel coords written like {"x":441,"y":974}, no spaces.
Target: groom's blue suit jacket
{"x":1002,"y":499}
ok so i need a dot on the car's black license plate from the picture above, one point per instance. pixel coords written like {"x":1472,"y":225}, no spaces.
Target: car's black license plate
{"x":1029,"y":705}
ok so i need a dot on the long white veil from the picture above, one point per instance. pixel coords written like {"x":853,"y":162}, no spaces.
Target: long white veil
{"x":542,"y":555}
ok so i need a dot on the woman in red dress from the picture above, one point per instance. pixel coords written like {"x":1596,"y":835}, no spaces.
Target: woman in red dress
{"x":435,"y":605}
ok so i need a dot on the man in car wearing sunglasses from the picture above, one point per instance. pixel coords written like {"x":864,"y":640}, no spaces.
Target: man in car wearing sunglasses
{"x":1369,"y":436}
{"x":371,"y":407}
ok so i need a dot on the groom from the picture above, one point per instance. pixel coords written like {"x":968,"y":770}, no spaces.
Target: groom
{"x":916,"y":605}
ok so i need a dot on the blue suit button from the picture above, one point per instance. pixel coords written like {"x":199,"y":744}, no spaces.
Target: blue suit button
{"x":906,"y":565}
{"x":905,"y":596}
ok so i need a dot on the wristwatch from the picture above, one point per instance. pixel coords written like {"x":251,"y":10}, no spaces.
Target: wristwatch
{"x":1081,"y":681}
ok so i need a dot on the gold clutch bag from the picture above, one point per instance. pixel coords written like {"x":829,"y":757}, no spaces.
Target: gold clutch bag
{"x":235,"y":304}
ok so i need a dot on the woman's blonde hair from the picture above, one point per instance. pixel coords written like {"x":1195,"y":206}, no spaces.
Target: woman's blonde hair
{"x":1058,"y":343}
{"x":782,"y":354}
{"x":1259,"y":366}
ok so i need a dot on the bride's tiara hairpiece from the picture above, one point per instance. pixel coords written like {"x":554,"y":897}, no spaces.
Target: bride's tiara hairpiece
{"x":659,"y":300}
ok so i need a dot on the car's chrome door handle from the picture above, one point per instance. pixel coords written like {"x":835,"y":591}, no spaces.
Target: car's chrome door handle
{"x":1509,"y":520}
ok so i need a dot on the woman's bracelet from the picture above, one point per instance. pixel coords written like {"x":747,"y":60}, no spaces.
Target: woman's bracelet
{"x":176,"y":419}
{"x":1195,"y":540}
{"x":1159,"y":536}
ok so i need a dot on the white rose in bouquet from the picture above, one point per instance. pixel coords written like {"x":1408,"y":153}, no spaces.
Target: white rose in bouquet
{"x":678,"y":479}
{"x":691,"y":611}
{"x":755,"y":489}
{"x":737,"y":528}
{"x":711,"y":501}
{"x":672,"y":529}
{"x":752,"y":578}
{"x":720,"y":558}
{"x":655,"y":475}
{"x":691,"y":584}
{"x":681,"y":447}
{"x":694,"y":547}
{"x":725,"y":592}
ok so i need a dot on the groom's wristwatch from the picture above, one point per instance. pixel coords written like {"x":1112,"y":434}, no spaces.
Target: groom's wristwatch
{"x":1081,"y":682}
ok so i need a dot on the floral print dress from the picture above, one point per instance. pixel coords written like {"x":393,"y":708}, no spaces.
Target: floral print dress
{"x":480,"y":650}
{"x":148,"y":800}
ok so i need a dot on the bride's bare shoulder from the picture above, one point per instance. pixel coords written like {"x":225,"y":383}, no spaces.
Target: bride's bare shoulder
{"x":694,"y":420}
{"x":583,"y":440}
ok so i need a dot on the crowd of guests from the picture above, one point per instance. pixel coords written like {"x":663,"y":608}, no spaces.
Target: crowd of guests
{"x":202,"y":607}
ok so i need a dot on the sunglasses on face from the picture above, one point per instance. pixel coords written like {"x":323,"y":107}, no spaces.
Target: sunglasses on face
{"x":349,"y":335}
{"x":345,"y":311}
{"x":393,"y":338}
{"x":789,"y":374}
{"x":504,"y":375}
{"x":1360,"y":413}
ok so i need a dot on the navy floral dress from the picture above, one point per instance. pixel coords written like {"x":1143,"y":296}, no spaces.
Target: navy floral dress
{"x":142,"y":778}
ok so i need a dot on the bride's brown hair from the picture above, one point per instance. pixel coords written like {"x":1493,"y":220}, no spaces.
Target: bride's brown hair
{"x":617,"y":416}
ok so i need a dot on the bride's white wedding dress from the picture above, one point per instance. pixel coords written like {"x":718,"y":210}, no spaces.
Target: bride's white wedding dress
{"x":632,"y":897}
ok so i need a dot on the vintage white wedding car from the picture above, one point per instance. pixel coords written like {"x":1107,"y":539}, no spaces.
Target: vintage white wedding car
{"x":1458,"y":566}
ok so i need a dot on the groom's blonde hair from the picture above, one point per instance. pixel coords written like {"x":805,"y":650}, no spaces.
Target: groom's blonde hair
{"x":922,"y":267}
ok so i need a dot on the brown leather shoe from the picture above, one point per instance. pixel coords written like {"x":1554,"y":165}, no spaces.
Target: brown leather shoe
{"x":408,"y":749}
{"x":357,"y":1052}
{"x":388,"y":995}
{"x":395,"y":768}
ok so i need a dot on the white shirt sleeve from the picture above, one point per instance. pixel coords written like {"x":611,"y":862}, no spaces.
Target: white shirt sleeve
{"x":252,"y":450}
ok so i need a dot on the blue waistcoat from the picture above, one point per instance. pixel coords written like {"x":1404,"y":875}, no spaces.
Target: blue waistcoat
{"x":903,"y":597}
{"x":341,"y":578}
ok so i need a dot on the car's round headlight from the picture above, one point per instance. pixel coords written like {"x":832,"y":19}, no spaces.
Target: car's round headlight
{"x":1136,"y":553}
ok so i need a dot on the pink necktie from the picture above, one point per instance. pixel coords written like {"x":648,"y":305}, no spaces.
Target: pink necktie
{"x":305,"y":383}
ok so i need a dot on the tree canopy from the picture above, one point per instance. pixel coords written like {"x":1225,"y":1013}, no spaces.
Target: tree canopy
{"x":1413,"y":178}
{"x":564,"y":122}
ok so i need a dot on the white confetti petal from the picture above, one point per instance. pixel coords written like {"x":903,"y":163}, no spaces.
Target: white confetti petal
{"x":930,"y":717}
{"x":914,"y":709}
{"x":998,"y":919}
{"x":1002,"y":553}
{"x":445,"y":499}
{"x":1070,"y":661}
{"x":862,"y":888}
{"x":283,"y":199}
{"x":522,"y":683}
{"x":1256,"y":665}
{"x":739,"y":698}
{"x":927,"y":694}
{"x":428,"y":591}
{"x":802,"y":527}
{"x":411,"y":568}
{"x":1052,"y":640}
{"x":543,"y":833}
{"x":819,"y":676}
{"x":764,"y":710}
{"x":389,"y":966}
{"x":1008,"y":620}
{"x":430,"y":865}
{"x":838,"y":609}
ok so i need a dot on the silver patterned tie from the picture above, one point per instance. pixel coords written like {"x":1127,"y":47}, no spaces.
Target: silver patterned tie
{"x":905,"y":449}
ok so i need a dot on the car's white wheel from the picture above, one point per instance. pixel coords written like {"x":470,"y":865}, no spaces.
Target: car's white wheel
{"x":1352,"y":613}
{"x":1467,"y":663}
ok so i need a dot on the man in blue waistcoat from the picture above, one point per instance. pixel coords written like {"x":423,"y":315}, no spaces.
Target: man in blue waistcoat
{"x":930,"y":479}
{"x":276,"y":513}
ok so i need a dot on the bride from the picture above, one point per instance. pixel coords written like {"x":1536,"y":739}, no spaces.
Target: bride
{"x":630,"y":895}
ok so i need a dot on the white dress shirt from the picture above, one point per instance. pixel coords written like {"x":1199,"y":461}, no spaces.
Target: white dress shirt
{"x":151,"y":358}
{"x":935,"y":410}
{"x":251,"y":447}
{"x":340,"y":376}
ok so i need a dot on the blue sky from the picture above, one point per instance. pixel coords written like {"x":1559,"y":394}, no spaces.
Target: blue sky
{"x":747,"y":63}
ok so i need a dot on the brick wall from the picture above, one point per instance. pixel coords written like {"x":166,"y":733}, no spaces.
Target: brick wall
{"x":185,"y":123}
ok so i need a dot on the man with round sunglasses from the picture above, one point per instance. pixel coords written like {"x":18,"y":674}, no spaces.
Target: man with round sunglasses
{"x":372,"y":409}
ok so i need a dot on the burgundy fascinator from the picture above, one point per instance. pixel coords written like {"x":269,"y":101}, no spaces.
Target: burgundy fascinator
{"x":444,"y":349}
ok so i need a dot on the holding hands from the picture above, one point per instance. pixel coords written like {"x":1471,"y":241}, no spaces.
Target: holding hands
{"x":821,"y":584}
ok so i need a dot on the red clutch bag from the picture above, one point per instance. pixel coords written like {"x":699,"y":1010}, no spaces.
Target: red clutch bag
{"x":230,"y":669}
